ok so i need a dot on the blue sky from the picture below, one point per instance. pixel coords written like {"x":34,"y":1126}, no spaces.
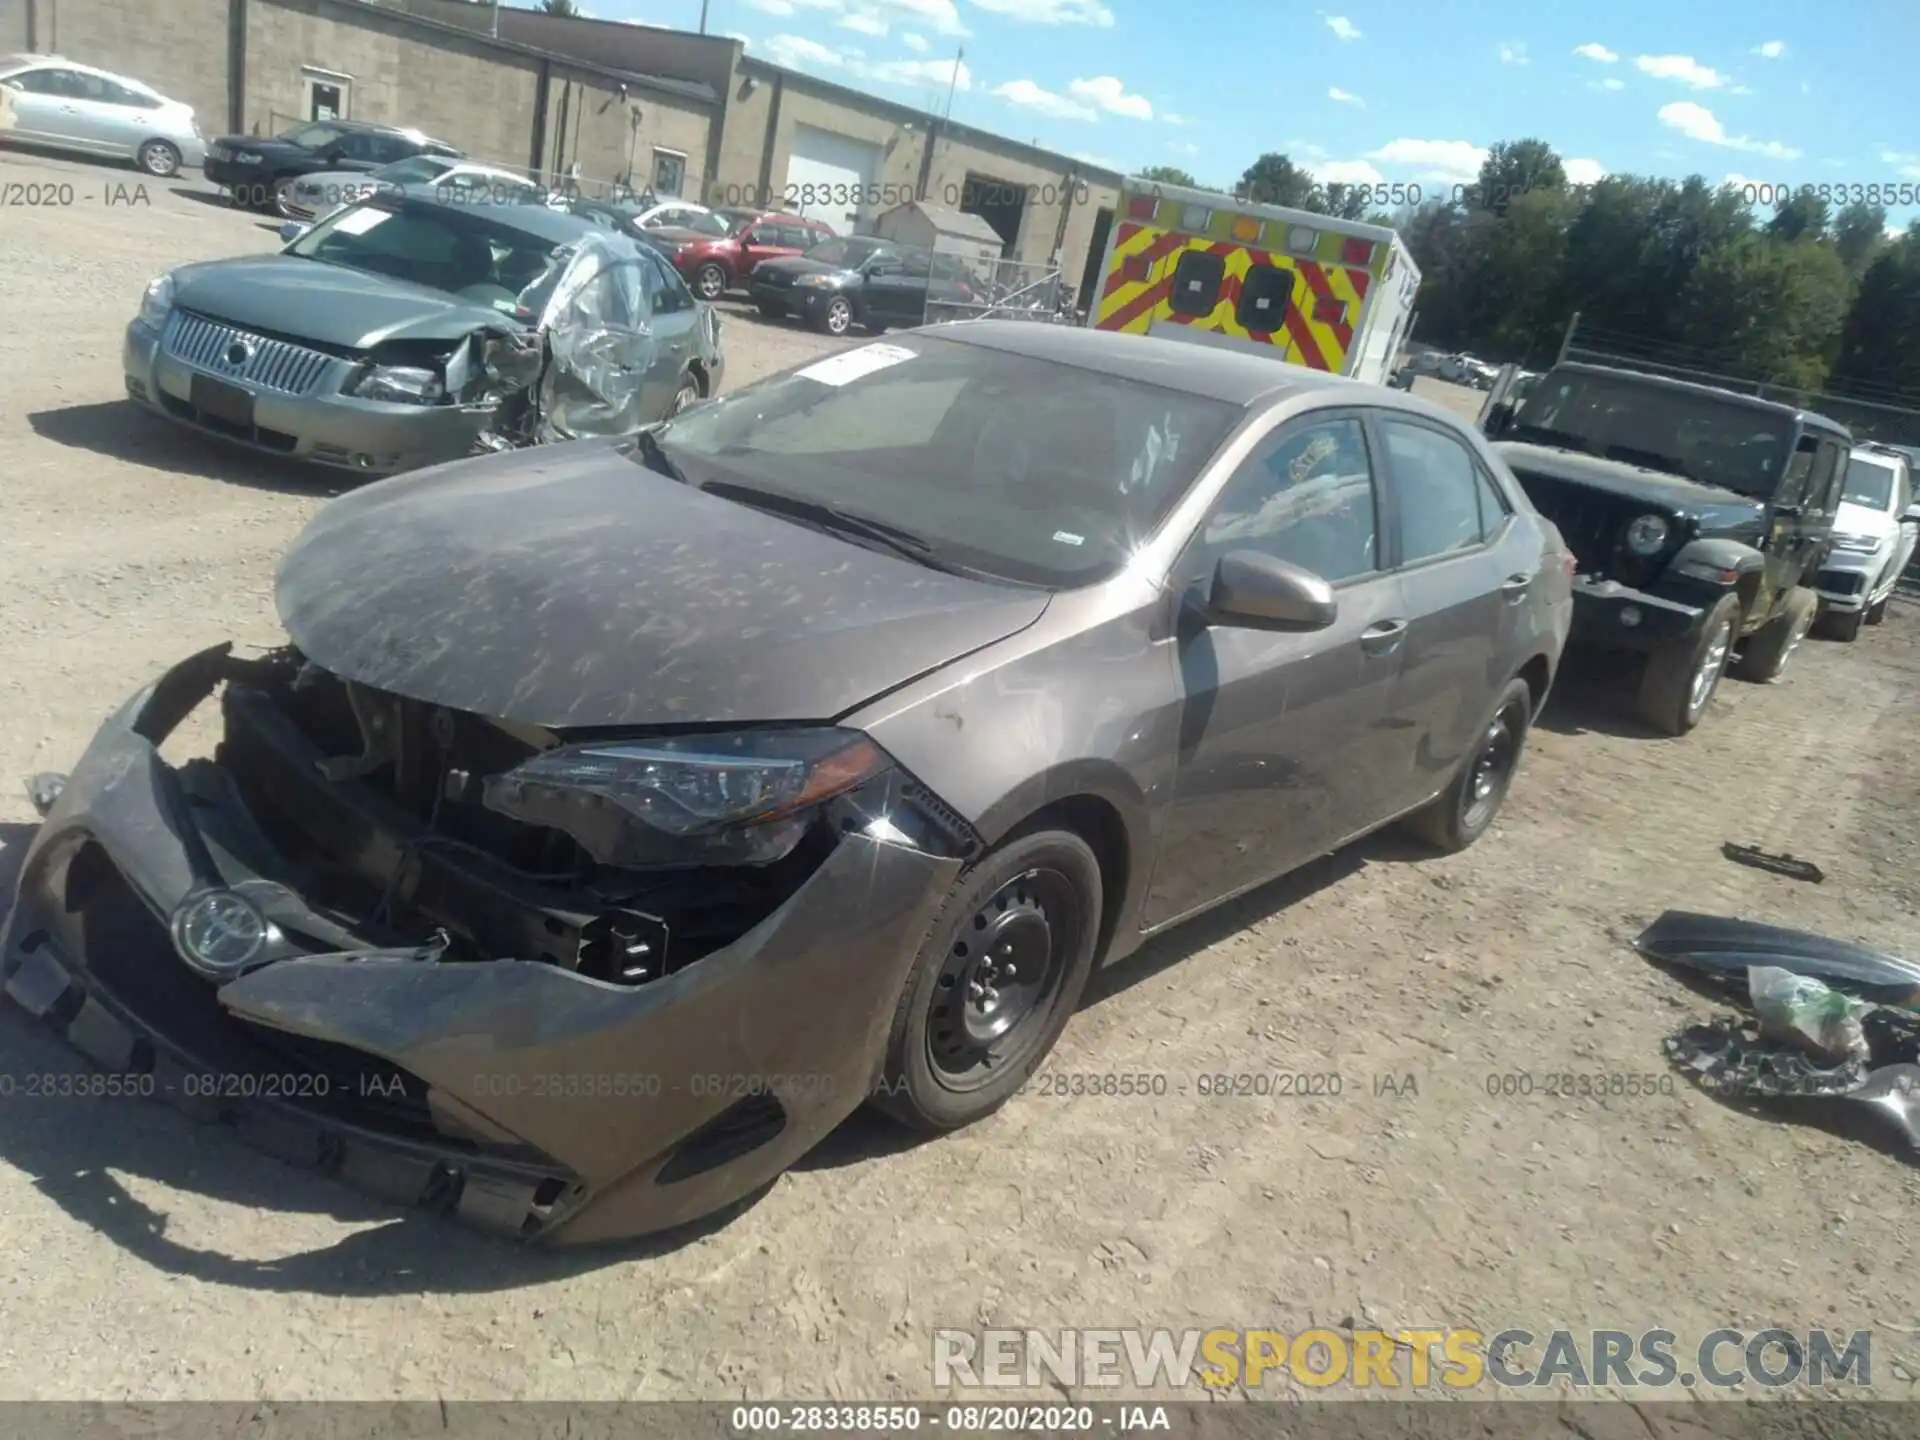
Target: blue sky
{"x":1364,"y":90}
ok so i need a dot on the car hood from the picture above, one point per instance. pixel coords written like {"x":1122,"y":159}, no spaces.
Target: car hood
{"x":278,"y":149}
{"x":569,"y":586}
{"x":330,"y":304}
{"x":316,"y":178}
{"x":1852,"y":519}
{"x":800,"y":265}
{"x":1654,"y":488}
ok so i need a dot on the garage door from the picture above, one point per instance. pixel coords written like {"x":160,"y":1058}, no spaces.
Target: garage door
{"x":833,"y":166}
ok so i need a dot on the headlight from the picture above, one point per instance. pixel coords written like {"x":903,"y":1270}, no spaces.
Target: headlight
{"x":816,"y":281}
{"x":401,"y":384}
{"x":158,"y":300}
{"x":1646,"y":535}
{"x":733,"y":799}
{"x":1861,"y":544}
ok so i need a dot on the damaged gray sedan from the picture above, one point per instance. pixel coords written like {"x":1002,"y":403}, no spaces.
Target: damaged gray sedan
{"x":412,"y":328}
{"x":619,"y":817}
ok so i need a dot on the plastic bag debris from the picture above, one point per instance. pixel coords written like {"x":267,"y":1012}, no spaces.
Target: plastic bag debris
{"x":1800,"y":1010}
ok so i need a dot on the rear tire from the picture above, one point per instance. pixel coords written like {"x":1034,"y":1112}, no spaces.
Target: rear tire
{"x":1773,"y":646}
{"x":1877,"y":613}
{"x":710,"y":282}
{"x":688,"y":394}
{"x":1012,"y":946}
{"x":1462,"y":812}
{"x":1680,"y":680}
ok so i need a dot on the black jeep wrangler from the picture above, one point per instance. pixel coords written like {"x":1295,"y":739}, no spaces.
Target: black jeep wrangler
{"x":1697,"y":517}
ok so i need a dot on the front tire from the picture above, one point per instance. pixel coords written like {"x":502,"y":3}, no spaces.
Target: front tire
{"x":1462,"y":812}
{"x":1680,"y":679}
{"x":836,"y":316}
{"x":1843,"y":625}
{"x":1769,"y":651}
{"x":1877,"y":612}
{"x":996,"y":980}
{"x":159,"y":157}
{"x":688,"y":394}
{"x":710,"y":282}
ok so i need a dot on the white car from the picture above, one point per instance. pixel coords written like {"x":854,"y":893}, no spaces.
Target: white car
{"x":1874,"y":531}
{"x":46,"y":100}
{"x":310,"y":198}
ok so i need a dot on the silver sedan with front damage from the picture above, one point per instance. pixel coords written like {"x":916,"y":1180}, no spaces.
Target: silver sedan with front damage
{"x":402,"y":329}
{"x":617,"y":818}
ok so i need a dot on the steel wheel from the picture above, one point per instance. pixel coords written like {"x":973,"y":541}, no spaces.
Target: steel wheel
{"x":711,"y":282}
{"x":1713,"y":664}
{"x":157,"y":157}
{"x":1001,"y":978}
{"x":1493,"y":768}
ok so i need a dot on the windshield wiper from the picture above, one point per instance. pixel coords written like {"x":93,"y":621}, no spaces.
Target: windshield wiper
{"x":832,"y":518}
{"x":657,"y":458}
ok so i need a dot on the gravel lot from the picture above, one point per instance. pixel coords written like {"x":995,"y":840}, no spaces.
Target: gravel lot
{"x":154,"y":1259}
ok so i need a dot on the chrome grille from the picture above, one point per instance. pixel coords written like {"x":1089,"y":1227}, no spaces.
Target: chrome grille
{"x":270,"y":364}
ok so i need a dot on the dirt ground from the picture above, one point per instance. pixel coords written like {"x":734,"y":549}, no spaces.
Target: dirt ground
{"x":154,"y":1259}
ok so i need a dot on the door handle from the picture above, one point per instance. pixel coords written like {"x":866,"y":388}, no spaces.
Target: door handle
{"x":1383,"y":636}
{"x":1514,"y":587}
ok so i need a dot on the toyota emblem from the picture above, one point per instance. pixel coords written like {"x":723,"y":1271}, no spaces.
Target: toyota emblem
{"x":239,"y":353}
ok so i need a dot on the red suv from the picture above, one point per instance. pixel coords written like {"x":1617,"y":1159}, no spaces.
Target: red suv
{"x":720,"y":254}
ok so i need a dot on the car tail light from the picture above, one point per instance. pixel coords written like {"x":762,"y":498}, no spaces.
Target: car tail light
{"x":1356,"y":252}
{"x":1141,"y":207}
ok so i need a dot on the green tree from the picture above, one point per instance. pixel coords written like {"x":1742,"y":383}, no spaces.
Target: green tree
{"x":566,"y":9}
{"x":1880,"y":344}
{"x":1273,"y":179}
{"x":1515,"y":168}
{"x":1803,"y":217}
{"x":1169,"y":175}
{"x":1345,"y":202}
{"x":1773,"y":310}
{"x":1858,"y":233}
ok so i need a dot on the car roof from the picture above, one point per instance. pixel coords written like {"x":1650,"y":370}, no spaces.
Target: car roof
{"x":1235,"y":376}
{"x":11,"y":63}
{"x":1717,"y":392}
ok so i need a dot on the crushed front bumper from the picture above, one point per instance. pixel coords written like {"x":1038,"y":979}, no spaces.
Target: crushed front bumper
{"x":558,"y":1106}
{"x":1607,"y":613}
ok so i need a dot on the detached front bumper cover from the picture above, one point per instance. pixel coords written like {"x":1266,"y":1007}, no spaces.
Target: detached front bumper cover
{"x":561,"y":1106}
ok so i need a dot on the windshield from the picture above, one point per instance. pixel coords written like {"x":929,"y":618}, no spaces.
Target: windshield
{"x":1724,"y":443}
{"x":414,"y":170}
{"x":732,"y":222}
{"x":1024,"y":469}
{"x":470,"y":253}
{"x":1870,"y":483}
{"x":312,"y":137}
{"x":710,"y":223}
{"x":848,"y":254}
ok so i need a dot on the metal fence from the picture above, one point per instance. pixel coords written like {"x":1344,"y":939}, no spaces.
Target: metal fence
{"x":972,"y":284}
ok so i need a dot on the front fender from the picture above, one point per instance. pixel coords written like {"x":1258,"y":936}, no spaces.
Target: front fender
{"x":1714,"y":561}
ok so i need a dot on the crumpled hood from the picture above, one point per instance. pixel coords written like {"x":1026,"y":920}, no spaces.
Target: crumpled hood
{"x":1718,"y":508}
{"x":331,"y":304}
{"x":570,"y":586}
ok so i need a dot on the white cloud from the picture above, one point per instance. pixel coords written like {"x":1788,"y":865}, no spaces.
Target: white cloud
{"x":1170,"y":118}
{"x":863,"y":22}
{"x":1183,"y":147}
{"x":1456,"y":160}
{"x":1305,"y":147}
{"x":1593,"y":50}
{"x":1908,"y":165}
{"x":914,"y":42}
{"x":1342,"y":28}
{"x":1740,"y":182}
{"x":875,"y":17}
{"x":1346,"y":172}
{"x":1084,"y":100}
{"x":771,"y":7}
{"x":796,"y":52}
{"x":1583,"y":171}
{"x":1029,"y":95}
{"x":745,"y":43}
{"x":1610,"y":83}
{"x":1683,"y":68}
{"x":1107,"y":93}
{"x":1345,"y":97}
{"x":1696,"y":122}
{"x":1101,"y":160}
{"x":1051,"y":12}
{"x":1772,"y":50}
{"x":1514,"y":54}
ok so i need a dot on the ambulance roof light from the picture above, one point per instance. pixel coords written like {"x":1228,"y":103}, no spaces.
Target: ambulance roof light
{"x":1301,"y":239}
{"x":1195,"y":217}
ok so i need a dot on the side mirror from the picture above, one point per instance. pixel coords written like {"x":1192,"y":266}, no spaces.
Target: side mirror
{"x":292,"y":231}
{"x":1912,"y":517}
{"x":1262,"y":593}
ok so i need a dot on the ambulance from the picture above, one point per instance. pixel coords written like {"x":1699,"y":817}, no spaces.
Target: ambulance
{"x":1197,"y":265}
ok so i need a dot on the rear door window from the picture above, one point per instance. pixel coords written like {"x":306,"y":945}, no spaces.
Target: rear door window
{"x":1196,"y":282}
{"x":1264,"y":296}
{"x":1437,"y":490}
{"x":1307,"y":498}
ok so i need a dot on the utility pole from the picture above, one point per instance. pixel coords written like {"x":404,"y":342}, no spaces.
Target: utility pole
{"x":953,"y":80}
{"x":703,"y":17}
{"x":496,"y":19}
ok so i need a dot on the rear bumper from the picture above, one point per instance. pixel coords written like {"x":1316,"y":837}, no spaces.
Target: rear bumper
{"x":555,"y":1106}
{"x":1607,"y":613}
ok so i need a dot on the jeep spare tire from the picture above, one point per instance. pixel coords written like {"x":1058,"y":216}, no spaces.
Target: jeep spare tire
{"x":1680,"y":679}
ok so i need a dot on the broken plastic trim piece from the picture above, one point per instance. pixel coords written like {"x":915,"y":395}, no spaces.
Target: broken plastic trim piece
{"x":1726,"y":948}
{"x":1789,"y":865}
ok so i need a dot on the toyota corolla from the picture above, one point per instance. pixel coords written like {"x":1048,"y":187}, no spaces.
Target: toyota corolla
{"x":617,"y":817}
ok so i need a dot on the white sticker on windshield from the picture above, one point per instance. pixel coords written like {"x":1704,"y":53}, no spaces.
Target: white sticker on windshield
{"x":359,"y":222}
{"x":1067,"y":537}
{"x":852,"y":364}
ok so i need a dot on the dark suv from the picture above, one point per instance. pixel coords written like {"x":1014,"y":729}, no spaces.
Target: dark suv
{"x":1698,"y":517}
{"x":252,"y":170}
{"x":852,"y":281}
